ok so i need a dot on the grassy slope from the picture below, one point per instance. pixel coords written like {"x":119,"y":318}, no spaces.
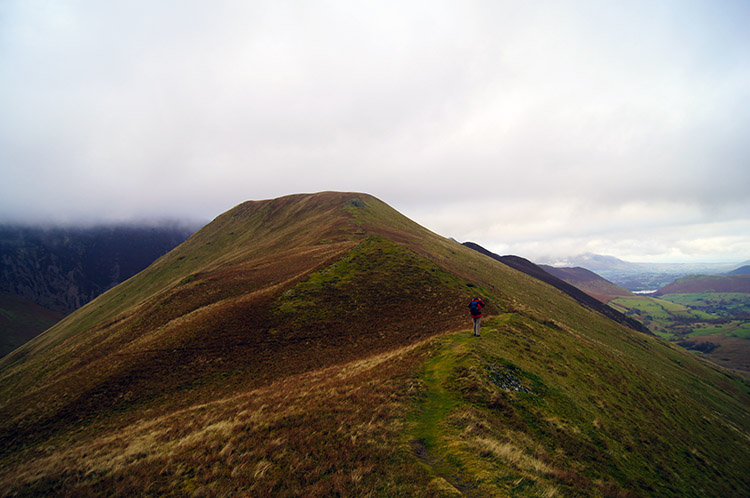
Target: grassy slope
{"x":526,"y":411}
{"x":212,"y":315}
{"x":294,"y":356}
{"x":589,"y":282}
{"x":708,"y":283}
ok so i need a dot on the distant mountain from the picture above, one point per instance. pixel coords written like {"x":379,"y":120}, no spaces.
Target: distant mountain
{"x":320,"y":345}
{"x":64,"y":268}
{"x":742,"y":270}
{"x":637,"y":277}
{"x":589,"y":282}
{"x":593,"y":262}
{"x":21,"y":320}
{"x":707,"y":283}
{"x":586,"y":299}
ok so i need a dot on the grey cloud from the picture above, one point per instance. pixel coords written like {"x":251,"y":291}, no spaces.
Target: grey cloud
{"x":553,"y":120}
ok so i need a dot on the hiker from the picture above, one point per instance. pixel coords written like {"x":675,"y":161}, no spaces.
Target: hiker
{"x":475,"y":308}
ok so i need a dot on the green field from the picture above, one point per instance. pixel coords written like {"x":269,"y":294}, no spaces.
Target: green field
{"x":717,"y":303}
{"x":735,"y":328}
{"x":665,"y":318}
{"x":682,"y":317}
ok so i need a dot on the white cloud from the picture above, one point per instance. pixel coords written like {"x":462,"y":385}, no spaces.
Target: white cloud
{"x":614,"y":127}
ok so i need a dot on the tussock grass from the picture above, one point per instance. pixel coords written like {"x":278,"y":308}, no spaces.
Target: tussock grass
{"x":317,"y":434}
{"x":598,"y":418}
{"x":300,"y":347}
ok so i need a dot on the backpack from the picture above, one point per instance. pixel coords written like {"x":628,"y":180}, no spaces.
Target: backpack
{"x":474,"y":308}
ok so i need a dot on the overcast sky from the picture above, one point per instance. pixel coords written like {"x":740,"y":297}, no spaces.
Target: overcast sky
{"x":530,"y":127}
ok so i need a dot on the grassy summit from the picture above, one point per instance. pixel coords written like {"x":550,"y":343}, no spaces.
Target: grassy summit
{"x":318,"y":345}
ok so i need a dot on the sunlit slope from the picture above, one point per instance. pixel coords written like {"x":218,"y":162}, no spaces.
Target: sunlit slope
{"x":542,"y":409}
{"x":318,"y":345}
{"x":269,"y":288}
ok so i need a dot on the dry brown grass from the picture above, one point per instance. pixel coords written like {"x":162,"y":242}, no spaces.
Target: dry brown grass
{"x":226,"y":371}
{"x":320,"y":433}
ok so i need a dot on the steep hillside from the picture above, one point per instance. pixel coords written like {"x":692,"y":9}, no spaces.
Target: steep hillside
{"x":318,"y":345}
{"x":274,"y":287}
{"x":707,"y":283}
{"x":539,"y":272}
{"x":22,"y":320}
{"x":589,"y":282}
{"x":742,"y":270}
{"x":64,"y":268}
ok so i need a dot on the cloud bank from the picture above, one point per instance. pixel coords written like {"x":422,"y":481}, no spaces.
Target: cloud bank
{"x":529,"y":127}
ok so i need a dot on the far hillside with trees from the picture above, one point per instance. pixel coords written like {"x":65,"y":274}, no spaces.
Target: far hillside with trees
{"x":709,"y":314}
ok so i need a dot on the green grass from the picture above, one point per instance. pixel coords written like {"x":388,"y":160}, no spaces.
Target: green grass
{"x":734,"y":328}
{"x":679,"y":317}
{"x":648,"y":306}
{"x":373,"y":259}
{"x":429,"y":423}
{"x":715,"y":303}
{"x":666,"y":318}
{"x":572,"y":420}
{"x":306,"y":346}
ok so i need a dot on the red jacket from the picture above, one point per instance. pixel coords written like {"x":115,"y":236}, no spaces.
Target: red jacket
{"x":479,"y":308}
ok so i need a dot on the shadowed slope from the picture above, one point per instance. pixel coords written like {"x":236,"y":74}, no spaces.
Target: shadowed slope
{"x":318,"y":345}
{"x":22,"y":320}
{"x":585,"y":299}
{"x":269,"y":288}
{"x":742,"y":270}
{"x":589,"y":282}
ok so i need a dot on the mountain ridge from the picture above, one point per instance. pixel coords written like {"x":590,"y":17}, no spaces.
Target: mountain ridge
{"x":319,"y":345}
{"x":742,"y":270}
{"x":541,"y":273}
{"x":637,"y":277}
{"x":62,"y":268}
{"x":216,"y":279}
{"x":707,"y":283}
{"x":589,"y":282}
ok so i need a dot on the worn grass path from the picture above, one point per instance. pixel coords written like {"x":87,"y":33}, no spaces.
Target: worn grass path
{"x":430,"y":426}
{"x":431,"y":434}
{"x":439,"y":402}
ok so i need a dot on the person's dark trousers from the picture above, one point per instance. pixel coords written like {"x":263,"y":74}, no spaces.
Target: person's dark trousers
{"x":476,"y":325}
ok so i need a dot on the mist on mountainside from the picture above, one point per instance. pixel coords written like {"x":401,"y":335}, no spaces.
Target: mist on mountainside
{"x":63,"y":268}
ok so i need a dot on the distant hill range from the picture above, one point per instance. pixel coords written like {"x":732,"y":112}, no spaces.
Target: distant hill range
{"x":593,"y":262}
{"x":320,"y":345}
{"x":589,"y":282}
{"x":637,"y":276}
{"x":64,"y":268}
{"x":708,"y":283}
{"x":559,"y":280}
{"x":46,"y":273}
{"x":687,"y":314}
{"x":742,"y":270}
